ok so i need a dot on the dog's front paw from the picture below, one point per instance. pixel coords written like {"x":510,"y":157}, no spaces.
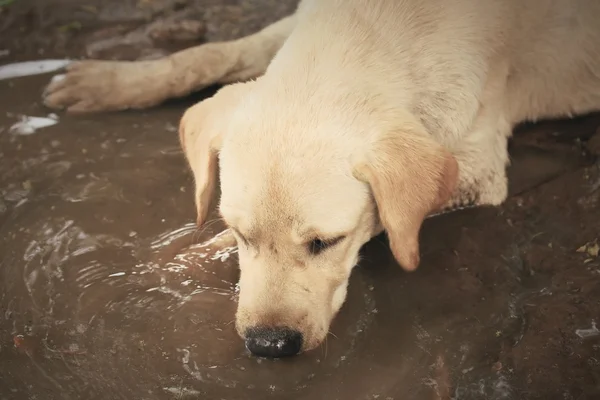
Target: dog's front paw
{"x":92,"y":86}
{"x":491,"y":190}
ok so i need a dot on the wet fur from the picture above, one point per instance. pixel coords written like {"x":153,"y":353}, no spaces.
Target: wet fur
{"x":353,"y":117}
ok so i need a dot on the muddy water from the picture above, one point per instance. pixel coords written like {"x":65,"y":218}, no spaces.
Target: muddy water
{"x":108,"y":291}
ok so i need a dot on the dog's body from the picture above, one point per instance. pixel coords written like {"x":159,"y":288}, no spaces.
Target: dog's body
{"x":356,"y":116}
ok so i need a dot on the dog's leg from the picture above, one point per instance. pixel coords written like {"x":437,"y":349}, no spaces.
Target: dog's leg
{"x":90,"y":86}
{"x":482,"y":158}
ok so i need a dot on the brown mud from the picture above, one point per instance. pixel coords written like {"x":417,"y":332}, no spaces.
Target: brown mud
{"x":102,"y":297}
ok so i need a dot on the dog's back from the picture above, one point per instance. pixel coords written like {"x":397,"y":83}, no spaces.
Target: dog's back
{"x":441,"y":59}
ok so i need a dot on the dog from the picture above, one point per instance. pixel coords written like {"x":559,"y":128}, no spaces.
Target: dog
{"x":347,"y":119}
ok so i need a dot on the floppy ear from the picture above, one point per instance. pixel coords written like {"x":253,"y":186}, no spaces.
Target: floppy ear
{"x":410,"y":176}
{"x":201,"y":132}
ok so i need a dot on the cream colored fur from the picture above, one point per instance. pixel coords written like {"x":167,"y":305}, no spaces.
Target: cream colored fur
{"x":358,"y":116}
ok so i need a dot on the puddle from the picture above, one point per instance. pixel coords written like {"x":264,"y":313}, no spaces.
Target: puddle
{"x":108,"y":290}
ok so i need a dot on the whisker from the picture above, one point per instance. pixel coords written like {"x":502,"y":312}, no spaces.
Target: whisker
{"x":202,"y":229}
{"x":333,"y":334}
{"x":196,"y":235}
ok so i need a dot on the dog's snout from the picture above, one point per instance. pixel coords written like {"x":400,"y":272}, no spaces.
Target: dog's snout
{"x":273,"y":342}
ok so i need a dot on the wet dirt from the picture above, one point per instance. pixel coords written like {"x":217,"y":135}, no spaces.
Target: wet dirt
{"x":107,"y":291}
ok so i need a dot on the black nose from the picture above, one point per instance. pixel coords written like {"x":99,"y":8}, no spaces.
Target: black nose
{"x":273,"y":342}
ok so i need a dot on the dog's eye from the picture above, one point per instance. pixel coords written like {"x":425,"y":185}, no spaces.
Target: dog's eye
{"x":316,"y":246}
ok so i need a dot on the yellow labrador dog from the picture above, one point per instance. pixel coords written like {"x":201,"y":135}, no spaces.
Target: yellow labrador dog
{"x":348,"y":118}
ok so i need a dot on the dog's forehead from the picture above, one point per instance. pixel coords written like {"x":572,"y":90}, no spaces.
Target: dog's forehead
{"x":281,"y":191}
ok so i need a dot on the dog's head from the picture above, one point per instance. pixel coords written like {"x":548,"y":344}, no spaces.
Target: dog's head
{"x":301,"y":198}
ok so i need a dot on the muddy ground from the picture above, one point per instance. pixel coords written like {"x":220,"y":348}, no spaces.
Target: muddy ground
{"x":106,"y":294}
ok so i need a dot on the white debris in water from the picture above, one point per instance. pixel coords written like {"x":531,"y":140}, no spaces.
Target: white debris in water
{"x":186,"y":355}
{"x":32,"y":278}
{"x":502,"y":389}
{"x":4,"y":52}
{"x":195,"y":373}
{"x":116,"y":274}
{"x":173,"y":267}
{"x":181,"y":391}
{"x":73,"y":347}
{"x":28,"y":125}
{"x":590,"y":332}
{"x":20,"y":203}
{"x":28,"y":68}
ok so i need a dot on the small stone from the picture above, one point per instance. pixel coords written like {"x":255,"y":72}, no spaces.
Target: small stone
{"x":593,"y":250}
